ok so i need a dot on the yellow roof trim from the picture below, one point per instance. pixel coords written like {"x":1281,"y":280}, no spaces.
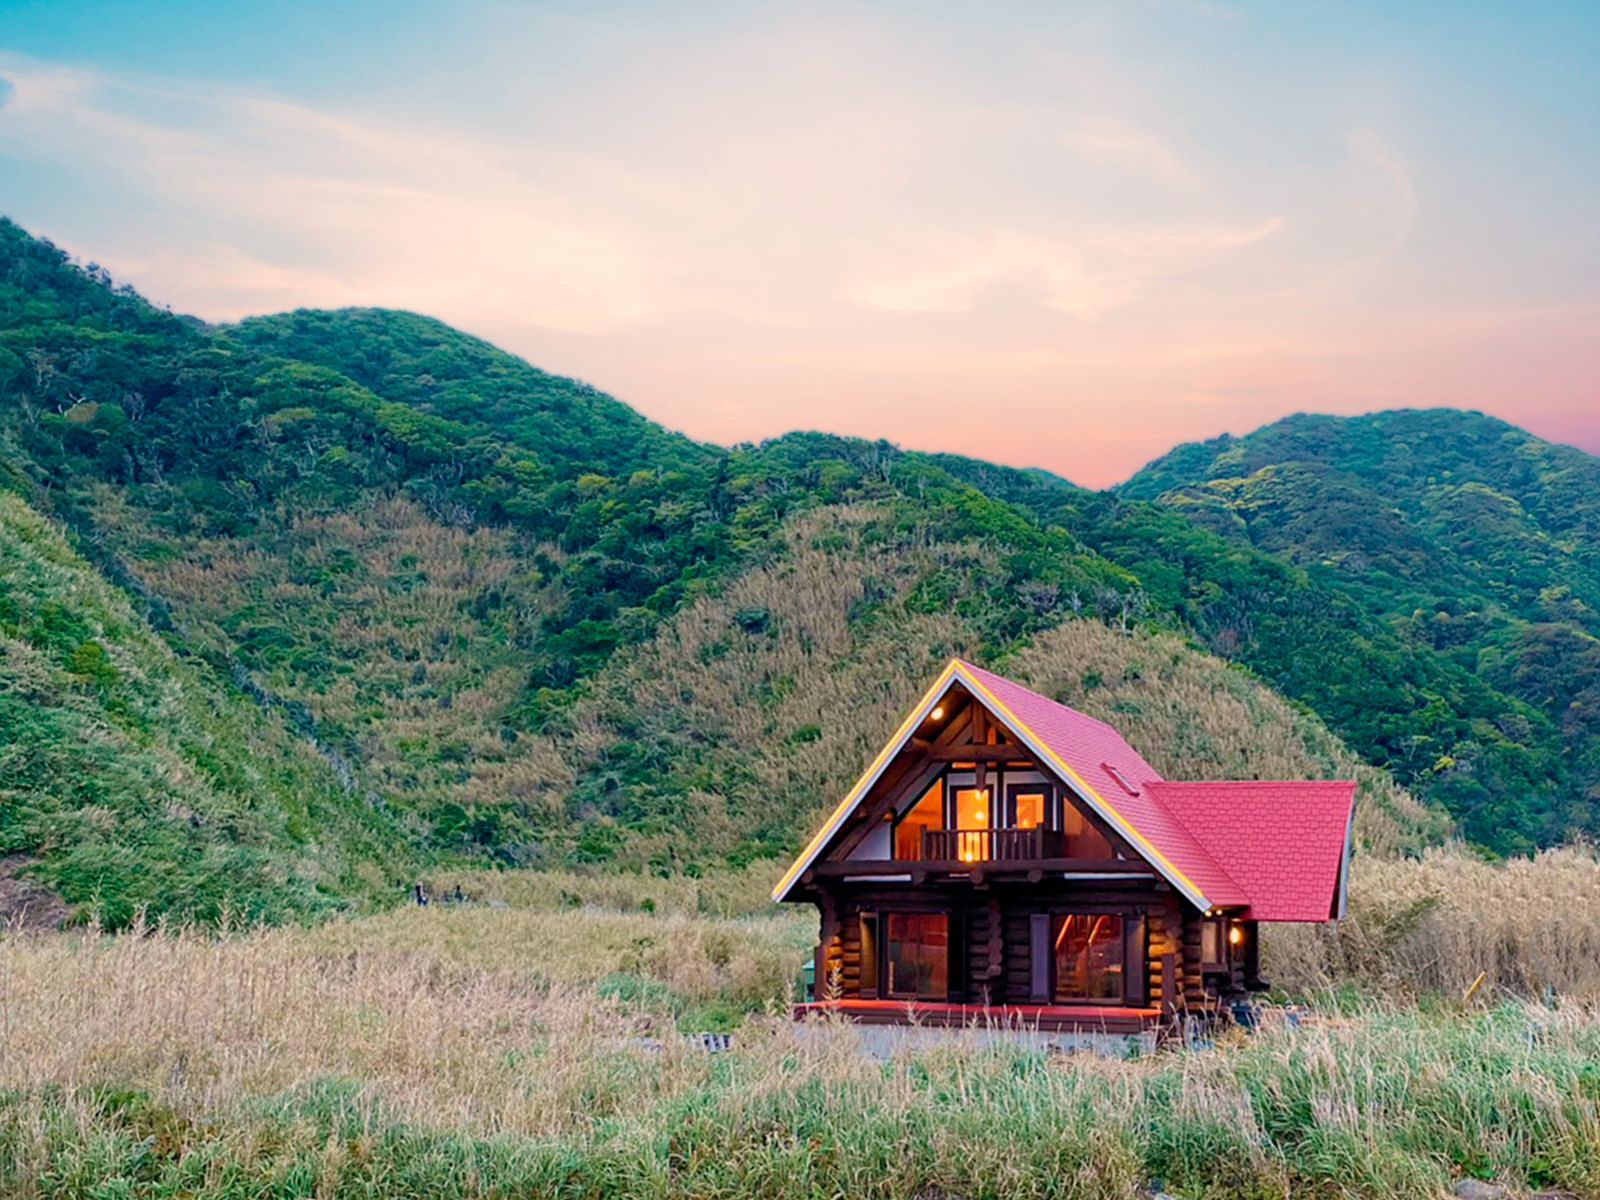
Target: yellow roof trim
{"x":1106,"y":810}
{"x":953,"y":670}
{"x":868,"y":778}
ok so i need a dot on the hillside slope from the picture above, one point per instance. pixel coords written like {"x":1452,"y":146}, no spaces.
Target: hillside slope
{"x":1435,"y":723}
{"x":440,"y":561}
{"x":741,"y":723}
{"x":429,"y":366}
{"x":131,"y":779}
{"x":1463,"y":536}
{"x":429,"y":582}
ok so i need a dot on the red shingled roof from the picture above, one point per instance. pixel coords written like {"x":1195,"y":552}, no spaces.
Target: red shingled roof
{"x":1283,"y":843}
{"x":1275,"y":848}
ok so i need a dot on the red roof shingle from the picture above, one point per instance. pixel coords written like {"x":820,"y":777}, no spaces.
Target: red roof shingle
{"x":1283,"y":843}
{"x":1274,"y":848}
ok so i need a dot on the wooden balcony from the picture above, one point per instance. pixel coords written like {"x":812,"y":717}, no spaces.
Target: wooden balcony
{"x":991,"y":845}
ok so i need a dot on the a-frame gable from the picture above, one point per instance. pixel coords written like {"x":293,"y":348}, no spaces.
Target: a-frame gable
{"x":991,"y":708}
{"x":870,"y":776}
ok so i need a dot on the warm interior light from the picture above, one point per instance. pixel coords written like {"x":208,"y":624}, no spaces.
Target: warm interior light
{"x":1235,"y":935}
{"x":938,"y":712}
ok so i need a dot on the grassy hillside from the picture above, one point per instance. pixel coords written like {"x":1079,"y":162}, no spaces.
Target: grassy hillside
{"x":132,"y":779}
{"x":814,"y":658}
{"x":1469,"y":540}
{"x":1433,"y":720}
{"x":429,"y":582}
{"x":541,"y":631}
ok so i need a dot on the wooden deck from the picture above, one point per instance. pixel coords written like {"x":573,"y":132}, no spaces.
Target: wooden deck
{"x":1048,"y":1018}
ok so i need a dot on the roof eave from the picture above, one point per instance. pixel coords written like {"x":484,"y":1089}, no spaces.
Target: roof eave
{"x":852,"y":798}
{"x":955,"y":670}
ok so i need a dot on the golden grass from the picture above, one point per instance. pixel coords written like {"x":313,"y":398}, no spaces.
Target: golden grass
{"x":440,"y":1013}
{"x":404,"y":629}
{"x":1431,"y":925}
{"x":477,"y":1052}
{"x":723,"y":893}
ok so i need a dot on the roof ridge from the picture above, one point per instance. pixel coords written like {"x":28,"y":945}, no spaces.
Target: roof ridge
{"x":1077,"y":712}
{"x":1258,"y":782}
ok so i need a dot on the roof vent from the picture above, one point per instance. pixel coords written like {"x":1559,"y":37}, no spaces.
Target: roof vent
{"x":1122,"y":780}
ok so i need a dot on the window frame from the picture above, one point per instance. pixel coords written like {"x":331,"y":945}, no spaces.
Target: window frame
{"x":1052,"y":800}
{"x":1135,"y":954}
{"x":879,"y":966}
{"x":939,"y":782}
{"x":1219,"y":963}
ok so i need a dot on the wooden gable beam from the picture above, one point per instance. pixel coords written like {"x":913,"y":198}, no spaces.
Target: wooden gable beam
{"x":979,"y":725}
{"x":957,"y":724}
{"x":911,"y":781}
{"x":991,"y":754}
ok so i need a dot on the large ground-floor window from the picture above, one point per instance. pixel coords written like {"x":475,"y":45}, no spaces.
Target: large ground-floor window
{"x":1090,"y":952}
{"x":916,"y":955}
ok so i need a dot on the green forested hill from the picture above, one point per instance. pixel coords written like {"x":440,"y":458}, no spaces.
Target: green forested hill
{"x":134,"y":779}
{"x":435,"y":369}
{"x":1463,"y":535}
{"x":428,"y":587}
{"x":526,"y":625}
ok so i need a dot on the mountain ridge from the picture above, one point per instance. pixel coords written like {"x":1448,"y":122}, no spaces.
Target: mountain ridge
{"x":1456,"y":529}
{"x":434,"y":554}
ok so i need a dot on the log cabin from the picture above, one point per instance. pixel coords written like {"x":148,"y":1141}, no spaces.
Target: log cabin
{"x":1007,"y":861}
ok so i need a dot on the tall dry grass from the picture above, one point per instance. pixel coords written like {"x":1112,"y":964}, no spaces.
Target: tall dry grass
{"x":730,"y":892}
{"x":462,"y":1053}
{"x":473,"y":1019}
{"x":1431,"y":925}
{"x":405,"y":630}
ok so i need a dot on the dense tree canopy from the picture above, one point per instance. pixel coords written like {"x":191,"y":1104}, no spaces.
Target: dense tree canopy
{"x":421,"y":554}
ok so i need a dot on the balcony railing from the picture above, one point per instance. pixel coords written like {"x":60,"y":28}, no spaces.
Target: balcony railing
{"x":991,"y":845}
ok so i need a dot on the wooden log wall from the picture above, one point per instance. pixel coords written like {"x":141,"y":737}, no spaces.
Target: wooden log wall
{"x":993,"y":930}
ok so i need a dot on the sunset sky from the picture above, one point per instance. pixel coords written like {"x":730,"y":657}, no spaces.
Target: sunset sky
{"x":1060,"y":235}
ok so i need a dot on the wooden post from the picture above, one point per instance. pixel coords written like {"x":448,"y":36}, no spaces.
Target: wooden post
{"x":827,"y":947}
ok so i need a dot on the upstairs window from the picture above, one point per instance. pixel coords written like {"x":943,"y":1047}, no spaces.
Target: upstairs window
{"x":1028,"y":808}
{"x":974,"y":819}
{"x":972,"y":808}
{"x":927,"y":813}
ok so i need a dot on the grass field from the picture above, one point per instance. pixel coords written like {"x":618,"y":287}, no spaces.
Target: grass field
{"x":532,"y":1050}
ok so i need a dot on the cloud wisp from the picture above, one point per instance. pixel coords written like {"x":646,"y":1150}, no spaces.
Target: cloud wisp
{"x":860,"y":225}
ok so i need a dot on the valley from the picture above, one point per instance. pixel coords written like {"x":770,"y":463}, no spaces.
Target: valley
{"x":299,"y":614}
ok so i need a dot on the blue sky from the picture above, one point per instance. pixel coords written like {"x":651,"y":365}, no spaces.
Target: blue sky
{"x":1049,"y":234}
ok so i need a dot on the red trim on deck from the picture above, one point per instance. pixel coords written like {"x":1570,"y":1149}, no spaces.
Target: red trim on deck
{"x":1085,"y":1018}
